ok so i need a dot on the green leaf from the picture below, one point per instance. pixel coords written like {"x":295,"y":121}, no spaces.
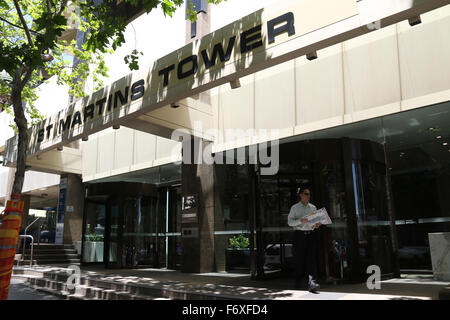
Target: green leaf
{"x":4,"y":5}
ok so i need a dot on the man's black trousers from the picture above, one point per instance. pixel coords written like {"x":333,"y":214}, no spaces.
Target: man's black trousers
{"x":305,"y":256}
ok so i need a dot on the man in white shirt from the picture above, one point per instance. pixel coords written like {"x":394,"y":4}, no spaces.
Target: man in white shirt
{"x":304,"y":240}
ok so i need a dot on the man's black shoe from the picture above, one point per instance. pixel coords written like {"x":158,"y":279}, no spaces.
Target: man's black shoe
{"x":313,"y":286}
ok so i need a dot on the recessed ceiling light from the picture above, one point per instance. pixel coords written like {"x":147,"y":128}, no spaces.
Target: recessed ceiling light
{"x":439,"y":137}
{"x":431,"y":128}
{"x":445,"y":144}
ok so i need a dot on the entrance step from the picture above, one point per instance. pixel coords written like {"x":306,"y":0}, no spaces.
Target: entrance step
{"x":50,"y":251}
{"x":51,"y":256}
{"x":45,"y":246}
{"x":55,"y":282}
{"x":50,"y":261}
{"x":44,"y":254}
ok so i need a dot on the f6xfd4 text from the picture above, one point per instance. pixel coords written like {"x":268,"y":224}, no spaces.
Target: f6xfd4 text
{"x":250,"y":309}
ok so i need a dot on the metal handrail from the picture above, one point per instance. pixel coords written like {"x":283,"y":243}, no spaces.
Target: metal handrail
{"x":26,"y":229}
{"x":24,"y":236}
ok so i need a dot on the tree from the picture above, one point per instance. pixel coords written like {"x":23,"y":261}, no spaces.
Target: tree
{"x":32,"y":49}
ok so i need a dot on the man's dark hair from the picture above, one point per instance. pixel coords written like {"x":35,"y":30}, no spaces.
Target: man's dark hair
{"x":301,"y":189}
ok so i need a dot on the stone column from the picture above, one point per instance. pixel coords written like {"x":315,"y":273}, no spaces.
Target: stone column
{"x":198,"y":229}
{"x":197,"y":178}
{"x":73,"y":219}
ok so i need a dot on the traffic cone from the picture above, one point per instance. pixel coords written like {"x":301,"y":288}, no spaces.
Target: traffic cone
{"x":9,"y":234}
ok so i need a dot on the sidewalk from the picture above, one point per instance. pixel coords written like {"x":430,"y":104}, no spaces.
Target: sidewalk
{"x":19,"y":291}
{"x":171,"y":284}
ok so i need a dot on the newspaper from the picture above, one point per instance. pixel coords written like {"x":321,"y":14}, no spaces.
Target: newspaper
{"x":320,"y":215}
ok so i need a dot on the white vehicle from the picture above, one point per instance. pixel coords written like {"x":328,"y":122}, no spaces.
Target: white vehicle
{"x":272,"y":257}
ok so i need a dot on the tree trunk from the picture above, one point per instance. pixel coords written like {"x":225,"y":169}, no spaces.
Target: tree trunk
{"x":22,"y":126}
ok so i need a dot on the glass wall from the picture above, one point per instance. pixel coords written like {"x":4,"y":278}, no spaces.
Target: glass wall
{"x":135,"y":225}
{"x":332,"y":196}
{"x":140,"y":241}
{"x":94,"y":231}
{"x":173,"y":228}
{"x":232,"y":218}
{"x":373,"y":221}
{"x":417,"y":145}
{"x":319,"y":165}
{"x":418,"y":148}
{"x":323,"y":165}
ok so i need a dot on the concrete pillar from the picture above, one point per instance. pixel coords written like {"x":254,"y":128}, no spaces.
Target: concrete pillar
{"x":198,"y":230}
{"x":198,"y":180}
{"x":73,"y":219}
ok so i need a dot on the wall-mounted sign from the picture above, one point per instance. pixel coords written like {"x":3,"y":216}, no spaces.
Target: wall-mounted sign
{"x":61,"y":211}
{"x":189,"y":202}
{"x":256,"y":42}
{"x":189,"y":218}
{"x":189,"y":232}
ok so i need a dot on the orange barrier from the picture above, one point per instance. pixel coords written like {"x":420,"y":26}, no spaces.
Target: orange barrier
{"x":9,"y":234}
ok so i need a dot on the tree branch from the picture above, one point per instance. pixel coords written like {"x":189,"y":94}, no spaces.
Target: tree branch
{"x":49,"y":8}
{"x":27,"y":77}
{"x":63,"y":6}
{"x":24,"y":23}
{"x":15,"y":25}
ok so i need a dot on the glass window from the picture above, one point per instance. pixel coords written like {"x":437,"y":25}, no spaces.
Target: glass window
{"x":140,"y":236}
{"x":232,"y":197}
{"x":93,"y":244}
{"x":374,"y":226}
{"x":232,"y":205}
{"x":418,"y":149}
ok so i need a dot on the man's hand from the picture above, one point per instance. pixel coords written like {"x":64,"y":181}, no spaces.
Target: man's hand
{"x":304,"y":221}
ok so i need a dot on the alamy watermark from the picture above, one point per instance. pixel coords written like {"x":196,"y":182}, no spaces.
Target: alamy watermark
{"x":199,"y":151}
{"x":74,"y":279}
{"x":373,"y":282}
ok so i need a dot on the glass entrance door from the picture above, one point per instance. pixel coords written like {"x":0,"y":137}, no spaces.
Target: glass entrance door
{"x":133,"y":232}
{"x":94,"y":231}
{"x":277,"y":195}
{"x":173,"y":228}
{"x":145,"y":230}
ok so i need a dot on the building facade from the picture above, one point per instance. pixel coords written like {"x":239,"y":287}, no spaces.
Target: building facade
{"x":355,"y":104}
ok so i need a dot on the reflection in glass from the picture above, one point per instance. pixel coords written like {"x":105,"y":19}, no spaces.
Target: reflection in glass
{"x":420,"y":177}
{"x":232,"y":210}
{"x":372,"y":216}
{"x":93,"y":244}
{"x":141,"y":231}
{"x":113,"y":239}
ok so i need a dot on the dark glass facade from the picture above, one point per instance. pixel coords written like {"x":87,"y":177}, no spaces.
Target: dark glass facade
{"x":347,"y":177}
{"x":128,"y":225}
{"x":384,"y":183}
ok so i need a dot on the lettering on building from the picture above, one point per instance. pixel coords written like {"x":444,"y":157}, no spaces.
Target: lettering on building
{"x":249,"y":40}
{"x":98,"y":108}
